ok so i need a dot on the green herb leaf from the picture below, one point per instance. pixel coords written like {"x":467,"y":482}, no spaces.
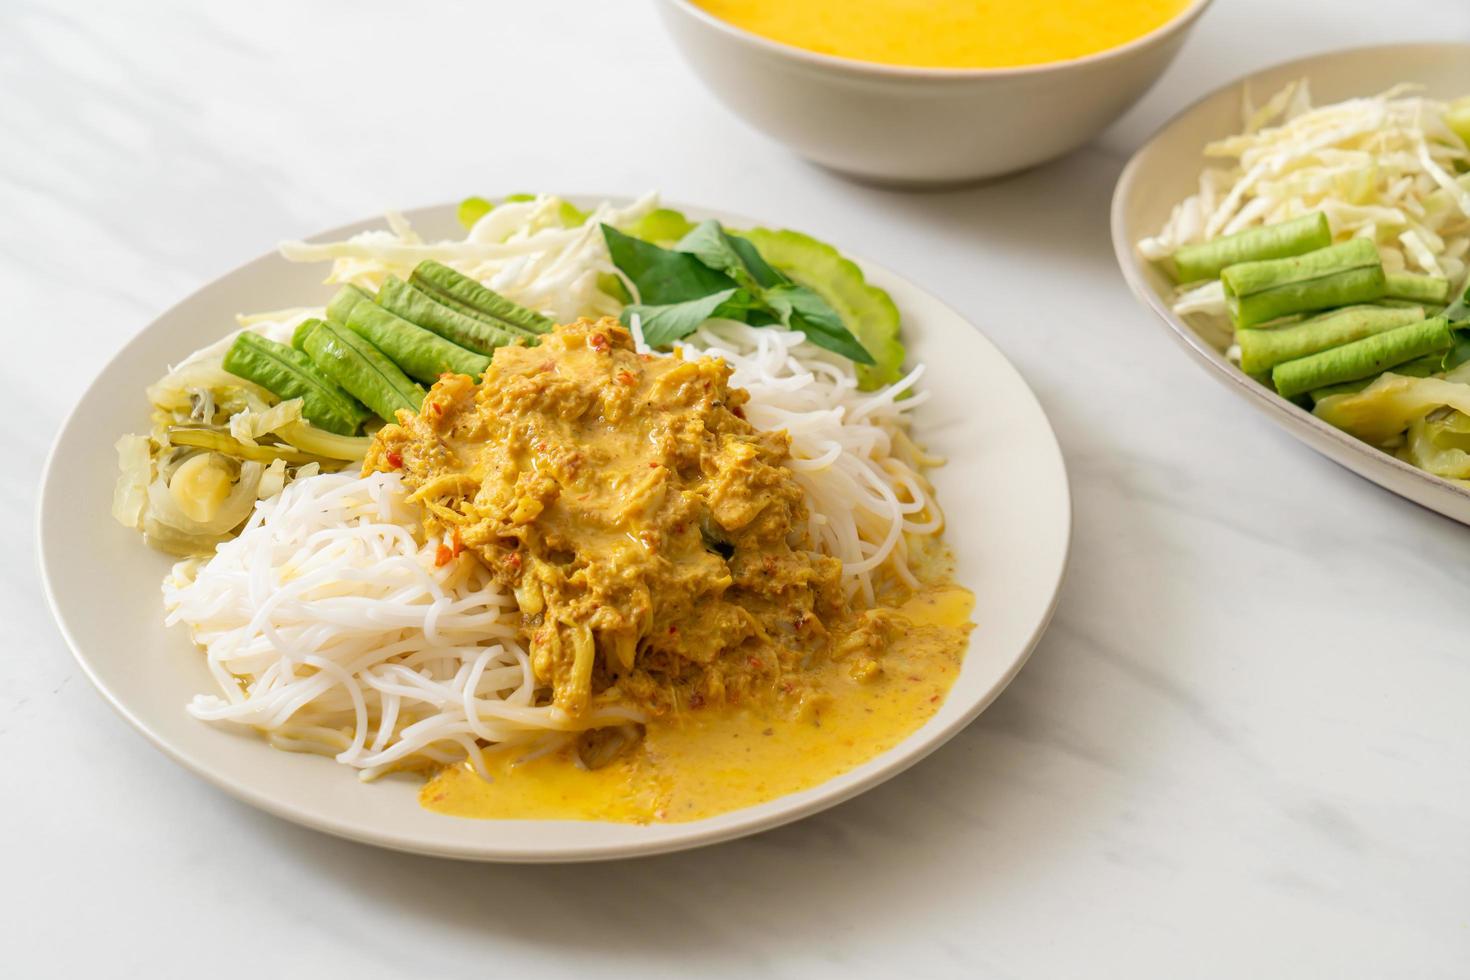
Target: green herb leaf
{"x":766,"y":275}
{"x":709,"y":243}
{"x":803,"y":309}
{"x":1458,"y":312}
{"x":1458,"y":353}
{"x":661,"y":275}
{"x":665,"y":324}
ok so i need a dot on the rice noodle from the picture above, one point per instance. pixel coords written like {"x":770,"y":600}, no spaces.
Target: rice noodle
{"x":329,"y":627}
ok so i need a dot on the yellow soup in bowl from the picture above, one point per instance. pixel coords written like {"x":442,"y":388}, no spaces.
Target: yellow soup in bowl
{"x":949,"y":33}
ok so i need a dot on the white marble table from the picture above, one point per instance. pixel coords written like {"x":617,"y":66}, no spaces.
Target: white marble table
{"x":1242,"y":749}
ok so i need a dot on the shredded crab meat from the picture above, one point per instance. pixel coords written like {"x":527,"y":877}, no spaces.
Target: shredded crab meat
{"x":1381,"y":168}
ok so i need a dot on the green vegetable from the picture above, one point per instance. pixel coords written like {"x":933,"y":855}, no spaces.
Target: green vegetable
{"x":1282,"y":240}
{"x":1362,"y":358}
{"x":471,"y":210}
{"x":362,"y":369}
{"x":310,"y":439}
{"x":298,"y":336}
{"x":1339,"y":275}
{"x":1458,"y":118}
{"x":462,"y":292}
{"x":422,"y":354}
{"x":223,"y":442}
{"x":1416,"y":288}
{"x":570,"y":214}
{"x":288,"y":373}
{"x":418,"y":307}
{"x":344,"y":301}
{"x":1440,"y":447}
{"x":1419,"y":367}
{"x":661,"y":226}
{"x":865,"y":309}
{"x":663,"y":276}
{"x":1458,"y":312}
{"x":711,"y":273}
{"x":1459,"y":352}
{"x":1383,"y":410}
{"x":662,"y":325}
{"x":1262,"y":348}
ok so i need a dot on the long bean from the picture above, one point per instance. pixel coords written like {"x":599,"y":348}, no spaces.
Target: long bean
{"x":1362,"y":358}
{"x":1340,"y":275}
{"x":1262,"y":348}
{"x":1281,"y":240}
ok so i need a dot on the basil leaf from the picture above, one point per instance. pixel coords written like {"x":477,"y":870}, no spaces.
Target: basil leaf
{"x":734,"y":256}
{"x":709,"y":243}
{"x":669,"y":322}
{"x":662,"y":276}
{"x":765,"y":275}
{"x":802,"y":309}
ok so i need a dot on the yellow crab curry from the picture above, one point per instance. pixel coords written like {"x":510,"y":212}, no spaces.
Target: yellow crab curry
{"x":661,"y":551}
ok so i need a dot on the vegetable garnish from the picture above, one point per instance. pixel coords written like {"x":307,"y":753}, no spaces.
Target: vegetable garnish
{"x":287,"y":394}
{"x":712,"y":274}
{"x":1330,"y":246}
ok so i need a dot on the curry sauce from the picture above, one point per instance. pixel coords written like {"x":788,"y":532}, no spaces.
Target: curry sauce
{"x":663,"y":562}
{"x":721,"y":758}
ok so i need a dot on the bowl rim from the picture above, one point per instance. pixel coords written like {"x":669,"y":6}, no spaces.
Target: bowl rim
{"x":856,"y":66}
{"x":1285,"y":412}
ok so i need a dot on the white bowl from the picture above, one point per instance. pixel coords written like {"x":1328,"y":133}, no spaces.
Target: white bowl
{"x":1167,"y":170}
{"x":1008,"y":516}
{"x":897,"y":125}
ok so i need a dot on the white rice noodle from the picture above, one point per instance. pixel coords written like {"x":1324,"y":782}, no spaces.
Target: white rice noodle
{"x":850,"y":449}
{"x":329,"y":627}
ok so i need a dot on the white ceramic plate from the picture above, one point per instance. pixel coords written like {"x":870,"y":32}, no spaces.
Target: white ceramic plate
{"x":1005,"y":491}
{"x":1167,"y":170}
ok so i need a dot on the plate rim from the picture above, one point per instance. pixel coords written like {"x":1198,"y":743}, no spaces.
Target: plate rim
{"x":678,"y":836}
{"x":1289,"y":416}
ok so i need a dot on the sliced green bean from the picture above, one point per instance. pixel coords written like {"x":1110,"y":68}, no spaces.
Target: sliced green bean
{"x":1340,"y":275}
{"x":288,"y":373}
{"x":1362,"y":358}
{"x":441,"y":279}
{"x":421,"y":353}
{"x":1417,"y":289}
{"x":1262,"y":348}
{"x":1419,"y":367}
{"x":363,"y":370}
{"x":345,"y":300}
{"x":1281,"y":240}
{"x":418,"y":307}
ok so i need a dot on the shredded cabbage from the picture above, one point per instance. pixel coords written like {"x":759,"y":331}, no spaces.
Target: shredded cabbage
{"x":1384,"y":168}
{"x":543,"y":253}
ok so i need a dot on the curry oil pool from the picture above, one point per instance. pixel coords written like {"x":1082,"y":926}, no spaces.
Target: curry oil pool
{"x":707,"y":761}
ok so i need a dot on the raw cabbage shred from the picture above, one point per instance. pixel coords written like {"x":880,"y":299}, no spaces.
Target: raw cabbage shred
{"x":1386,"y":168}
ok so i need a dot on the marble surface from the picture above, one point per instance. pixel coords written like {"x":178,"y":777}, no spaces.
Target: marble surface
{"x":1240,"y":750}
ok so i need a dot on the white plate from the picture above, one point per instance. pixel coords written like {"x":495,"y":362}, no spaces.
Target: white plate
{"x":1005,"y":491}
{"x":1167,"y":170}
